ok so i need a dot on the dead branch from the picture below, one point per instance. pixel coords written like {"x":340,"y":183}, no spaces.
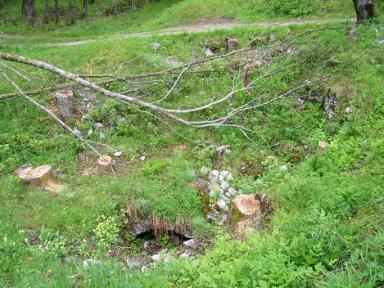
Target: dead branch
{"x":50,"y":113}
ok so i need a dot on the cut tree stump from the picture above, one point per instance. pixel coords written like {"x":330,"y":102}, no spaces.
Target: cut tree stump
{"x":64,"y":103}
{"x":232,"y":44}
{"x":37,"y":177}
{"x":247,"y":205}
{"x":40,"y":177}
{"x":104,"y":165}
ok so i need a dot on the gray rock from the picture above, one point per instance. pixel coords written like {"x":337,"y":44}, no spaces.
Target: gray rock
{"x":192,"y":244}
{"x":208,"y":52}
{"x":155,"y":45}
{"x":141,"y":227}
{"x":224,"y":174}
{"x":224,"y":185}
{"x":231,"y":191}
{"x":222,"y":205}
{"x":223,"y":149}
{"x":117,"y":153}
{"x":98,"y":125}
{"x":348,"y":110}
{"x":283,"y":168}
{"x":162,"y":256}
{"x":214,"y":175}
{"x":380,"y":42}
{"x":186,"y":254}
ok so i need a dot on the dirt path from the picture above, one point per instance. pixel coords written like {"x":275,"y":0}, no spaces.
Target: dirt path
{"x":196,"y":28}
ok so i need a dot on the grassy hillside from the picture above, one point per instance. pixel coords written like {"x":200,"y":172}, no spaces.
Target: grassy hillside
{"x":165,"y":13}
{"x":326,"y":229}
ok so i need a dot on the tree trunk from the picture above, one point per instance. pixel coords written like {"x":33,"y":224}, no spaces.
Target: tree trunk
{"x":47,"y":12}
{"x":28,"y":9}
{"x":85,"y":9}
{"x":364,"y":10}
{"x":57,"y":12}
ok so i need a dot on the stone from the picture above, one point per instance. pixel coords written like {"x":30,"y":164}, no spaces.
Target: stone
{"x":142,"y":158}
{"x":204,"y":171}
{"x":322,"y":145}
{"x":186,"y":254}
{"x":155,"y":45}
{"x":141,"y":227}
{"x":223,"y":149}
{"x":224,"y":185}
{"x":348,"y":110}
{"x":192,"y":244}
{"x":222,"y":205}
{"x":283,"y":168}
{"x":208,"y":52}
{"x":232,"y":191}
{"x":117,"y":153}
{"x":214,"y":175}
{"x":380,"y":42}
{"x":98,"y":125}
{"x":247,"y":205}
{"x":224,"y":174}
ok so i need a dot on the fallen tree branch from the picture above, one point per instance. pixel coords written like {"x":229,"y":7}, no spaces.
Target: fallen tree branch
{"x":50,"y":113}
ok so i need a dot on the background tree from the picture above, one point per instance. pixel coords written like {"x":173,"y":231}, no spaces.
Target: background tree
{"x":85,"y":9}
{"x":47,"y":12}
{"x":28,"y":9}
{"x":364,"y":10}
{"x":57,"y":12}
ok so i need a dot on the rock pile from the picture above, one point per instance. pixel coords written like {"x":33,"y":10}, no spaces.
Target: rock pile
{"x":219,"y":190}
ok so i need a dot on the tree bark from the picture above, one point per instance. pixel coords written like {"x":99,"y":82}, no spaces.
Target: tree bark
{"x":364,"y":10}
{"x":47,"y":13}
{"x":85,"y":9}
{"x":56,"y":12}
{"x":28,"y":9}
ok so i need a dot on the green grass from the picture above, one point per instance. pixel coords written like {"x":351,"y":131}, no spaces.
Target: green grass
{"x":161,"y":14}
{"x":327,"y":227}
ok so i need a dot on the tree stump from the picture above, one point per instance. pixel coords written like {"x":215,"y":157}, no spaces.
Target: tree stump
{"x":104,"y":165}
{"x":232,"y":44}
{"x":247,"y":205}
{"x":37,"y":177}
{"x":64,"y":103}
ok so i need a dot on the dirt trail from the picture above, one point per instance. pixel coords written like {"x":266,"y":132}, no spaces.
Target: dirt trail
{"x":195,"y":28}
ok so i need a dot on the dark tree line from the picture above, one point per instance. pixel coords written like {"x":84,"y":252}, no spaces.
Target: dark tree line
{"x":28,"y":9}
{"x":364,"y":10}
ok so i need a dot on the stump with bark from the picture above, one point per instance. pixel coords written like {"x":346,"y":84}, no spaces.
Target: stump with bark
{"x":64,"y":103}
{"x":104,"y":165}
{"x":364,"y":10}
